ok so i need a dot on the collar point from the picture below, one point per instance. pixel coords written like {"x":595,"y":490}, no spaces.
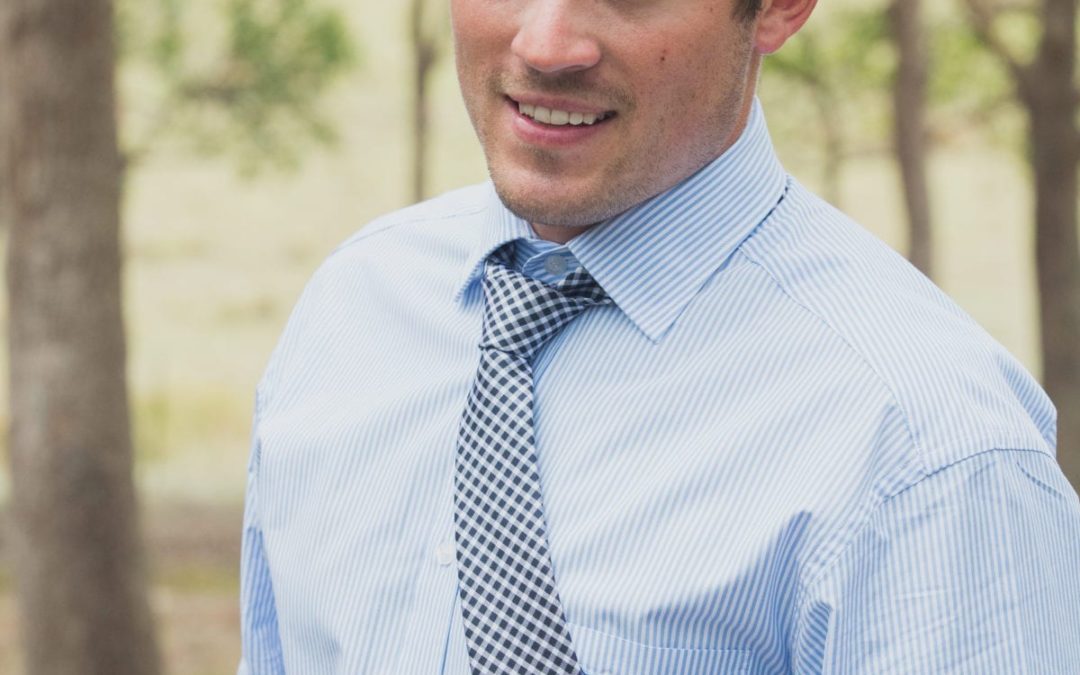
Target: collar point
{"x":655,"y":330}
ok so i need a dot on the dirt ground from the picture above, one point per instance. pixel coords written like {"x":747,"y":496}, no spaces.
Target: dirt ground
{"x":194,"y":561}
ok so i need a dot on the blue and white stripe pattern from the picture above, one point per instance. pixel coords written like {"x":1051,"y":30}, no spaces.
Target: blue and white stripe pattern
{"x":779,"y":450}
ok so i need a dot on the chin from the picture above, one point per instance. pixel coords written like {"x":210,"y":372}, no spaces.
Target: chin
{"x":539,"y":202}
{"x":550,"y":211}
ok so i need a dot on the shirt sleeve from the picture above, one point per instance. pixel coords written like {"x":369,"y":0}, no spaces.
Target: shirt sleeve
{"x":972,"y":570}
{"x":260,"y":640}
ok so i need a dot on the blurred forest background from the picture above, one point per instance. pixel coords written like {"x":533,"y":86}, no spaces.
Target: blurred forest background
{"x":251,"y":136}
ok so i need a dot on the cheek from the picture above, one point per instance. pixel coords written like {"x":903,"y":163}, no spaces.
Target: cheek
{"x":678,"y":84}
{"x":473,"y":30}
{"x":684,"y":97}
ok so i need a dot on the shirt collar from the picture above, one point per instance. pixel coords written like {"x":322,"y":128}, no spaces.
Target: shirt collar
{"x":652,"y":259}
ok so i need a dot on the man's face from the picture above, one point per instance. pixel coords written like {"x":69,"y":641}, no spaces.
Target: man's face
{"x":667,"y":85}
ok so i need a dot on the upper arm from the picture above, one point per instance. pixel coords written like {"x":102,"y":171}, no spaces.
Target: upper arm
{"x":261,"y":643}
{"x":971,"y":570}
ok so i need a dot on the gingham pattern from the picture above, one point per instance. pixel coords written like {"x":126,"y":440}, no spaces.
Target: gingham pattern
{"x":514,"y":620}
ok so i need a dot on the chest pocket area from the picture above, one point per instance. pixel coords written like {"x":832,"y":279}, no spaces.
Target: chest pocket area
{"x":602,"y":654}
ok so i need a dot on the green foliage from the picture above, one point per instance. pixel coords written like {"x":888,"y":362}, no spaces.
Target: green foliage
{"x":836,"y":73}
{"x":844,"y":65}
{"x":246,"y":80}
{"x":850,"y":51}
{"x":968,"y":87}
{"x":834,"y":76}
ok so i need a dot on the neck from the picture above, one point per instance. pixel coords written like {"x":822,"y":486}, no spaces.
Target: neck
{"x":560,"y":234}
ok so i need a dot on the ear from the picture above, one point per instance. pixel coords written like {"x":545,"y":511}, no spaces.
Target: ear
{"x":779,"y":20}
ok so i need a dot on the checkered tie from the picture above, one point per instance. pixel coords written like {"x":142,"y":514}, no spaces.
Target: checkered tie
{"x":514,"y":620}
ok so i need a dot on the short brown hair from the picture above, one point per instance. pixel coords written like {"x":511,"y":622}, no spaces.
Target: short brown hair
{"x":747,"y":9}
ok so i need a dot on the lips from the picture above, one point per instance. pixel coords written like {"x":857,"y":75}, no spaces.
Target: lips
{"x":557,"y":124}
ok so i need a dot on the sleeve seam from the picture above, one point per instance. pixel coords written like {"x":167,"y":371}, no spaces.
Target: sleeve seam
{"x":807,"y":588}
{"x":256,"y":446}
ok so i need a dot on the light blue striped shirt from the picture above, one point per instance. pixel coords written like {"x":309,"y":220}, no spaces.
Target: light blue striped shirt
{"x":780,"y":450}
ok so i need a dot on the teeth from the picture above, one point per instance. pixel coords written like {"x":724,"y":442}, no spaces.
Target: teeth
{"x":558,"y":117}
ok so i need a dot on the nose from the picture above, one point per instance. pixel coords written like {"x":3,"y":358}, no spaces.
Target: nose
{"x":554,"y":37}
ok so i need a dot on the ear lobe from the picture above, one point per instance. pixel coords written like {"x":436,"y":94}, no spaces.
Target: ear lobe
{"x":779,"y":20}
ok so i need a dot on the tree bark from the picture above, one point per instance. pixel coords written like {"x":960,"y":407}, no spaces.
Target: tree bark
{"x":1048,"y":90}
{"x":909,"y":130}
{"x":425,"y":51}
{"x":1050,"y":94}
{"x":78,"y":566}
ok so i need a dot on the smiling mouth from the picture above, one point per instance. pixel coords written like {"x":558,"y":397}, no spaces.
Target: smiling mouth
{"x":558,"y":118}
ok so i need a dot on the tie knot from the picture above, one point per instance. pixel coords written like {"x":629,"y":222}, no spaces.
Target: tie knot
{"x":521,"y":314}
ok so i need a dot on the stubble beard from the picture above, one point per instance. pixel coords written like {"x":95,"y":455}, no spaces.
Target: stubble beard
{"x":542,"y":210}
{"x":627,"y":185}
{"x":554,"y":213}
{"x":624,"y":185}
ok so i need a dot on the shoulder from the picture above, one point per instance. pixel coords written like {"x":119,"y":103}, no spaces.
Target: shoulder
{"x":960,"y":392}
{"x":413,"y":257}
{"x":446,"y":218}
{"x":428,"y":240}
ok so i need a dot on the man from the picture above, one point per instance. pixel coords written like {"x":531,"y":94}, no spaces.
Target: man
{"x":712,"y":426}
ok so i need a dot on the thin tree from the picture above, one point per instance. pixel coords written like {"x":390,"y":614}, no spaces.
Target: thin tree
{"x":807,"y":68}
{"x":909,"y":126}
{"x":829,"y":62}
{"x":76,"y":555}
{"x":427,"y":34}
{"x":1045,"y":84}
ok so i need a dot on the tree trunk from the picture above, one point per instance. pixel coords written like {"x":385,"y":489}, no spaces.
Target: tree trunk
{"x":1050,"y":95}
{"x":424,"y":56}
{"x":909,"y":105}
{"x":78,"y":568}
{"x":833,"y":135}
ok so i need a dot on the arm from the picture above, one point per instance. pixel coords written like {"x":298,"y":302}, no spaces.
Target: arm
{"x":974,"y":569}
{"x":258,"y":613}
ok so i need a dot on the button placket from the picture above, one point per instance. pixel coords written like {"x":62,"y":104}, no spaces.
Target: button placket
{"x":444,"y":553}
{"x":433,"y":621}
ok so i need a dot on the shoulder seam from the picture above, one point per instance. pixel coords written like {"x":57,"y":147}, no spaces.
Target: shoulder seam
{"x":843,"y":339}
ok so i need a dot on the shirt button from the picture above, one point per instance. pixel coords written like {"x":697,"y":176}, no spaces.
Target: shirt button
{"x":444,"y":553}
{"x":555,"y":264}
